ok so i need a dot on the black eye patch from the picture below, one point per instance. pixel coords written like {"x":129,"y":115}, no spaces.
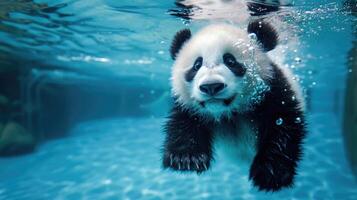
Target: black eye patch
{"x":190,"y":74}
{"x":230,"y":61}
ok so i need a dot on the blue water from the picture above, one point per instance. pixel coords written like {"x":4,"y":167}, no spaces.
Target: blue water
{"x":106,"y":47}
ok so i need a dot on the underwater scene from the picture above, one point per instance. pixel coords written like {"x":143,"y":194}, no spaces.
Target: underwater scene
{"x":105,"y":99}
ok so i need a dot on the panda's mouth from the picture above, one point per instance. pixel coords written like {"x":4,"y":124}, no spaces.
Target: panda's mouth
{"x":229,"y":101}
{"x":226,"y":102}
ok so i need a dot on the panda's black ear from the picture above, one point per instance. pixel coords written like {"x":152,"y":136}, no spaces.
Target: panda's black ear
{"x":266,"y":34}
{"x":180,"y":38}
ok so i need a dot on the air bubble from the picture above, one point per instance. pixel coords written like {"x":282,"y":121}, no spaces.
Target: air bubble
{"x":350,"y":70}
{"x":297,"y":59}
{"x":293,"y":98}
{"x":252,"y":36}
{"x":279,"y":121}
{"x":283,"y":102}
{"x":297,"y":120}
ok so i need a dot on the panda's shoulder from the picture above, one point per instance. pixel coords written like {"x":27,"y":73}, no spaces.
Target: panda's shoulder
{"x":288,"y":82}
{"x":283,"y":94}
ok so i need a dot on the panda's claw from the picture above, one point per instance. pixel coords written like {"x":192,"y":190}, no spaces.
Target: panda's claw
{"x":205,"y":166}
{"x":184,"y":162}
{"x":197,"y":167}
{"x":171,"y":159}
{"x":195,"y":161}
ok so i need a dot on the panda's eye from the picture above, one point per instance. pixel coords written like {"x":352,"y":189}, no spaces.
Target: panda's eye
{"x":230,"y":61}
{"x":198,"y":63}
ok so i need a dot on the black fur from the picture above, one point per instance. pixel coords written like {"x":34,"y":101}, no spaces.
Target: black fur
{"x":188,"y":143}
{"x":279,"y":146}
{"x":236,"y":67}
{"x":191,"y":73}
{"x":258,"y":9}
{"x":265,"y":33}
{"x":180,"y":38}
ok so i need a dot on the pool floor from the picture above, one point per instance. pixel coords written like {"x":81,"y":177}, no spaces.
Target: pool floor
{"x":120,"y":159}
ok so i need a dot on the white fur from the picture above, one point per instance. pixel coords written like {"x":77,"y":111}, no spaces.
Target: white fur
{"x":236,"y":143}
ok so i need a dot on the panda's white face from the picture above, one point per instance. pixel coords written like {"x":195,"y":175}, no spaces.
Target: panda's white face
{"x":219,"y":71}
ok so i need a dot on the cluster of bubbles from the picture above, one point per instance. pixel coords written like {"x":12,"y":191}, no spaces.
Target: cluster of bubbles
{"x":252,"y":79}
{"x":256,"y":85}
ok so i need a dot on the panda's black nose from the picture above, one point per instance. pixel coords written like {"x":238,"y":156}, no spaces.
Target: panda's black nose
{"x":212,"y":88}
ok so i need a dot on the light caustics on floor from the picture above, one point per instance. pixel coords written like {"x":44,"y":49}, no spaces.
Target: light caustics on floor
{"x":123,"y":162}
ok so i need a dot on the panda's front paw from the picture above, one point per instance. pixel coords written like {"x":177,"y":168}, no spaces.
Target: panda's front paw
{"x":185,"y":162}
{"x":269,"y":174}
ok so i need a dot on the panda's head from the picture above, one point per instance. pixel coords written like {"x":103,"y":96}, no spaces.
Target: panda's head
{"x":222,"y":69}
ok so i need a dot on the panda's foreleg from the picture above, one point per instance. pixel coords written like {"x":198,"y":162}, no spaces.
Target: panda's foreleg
{"x":188,"y":142}
{"x":281,"y":128}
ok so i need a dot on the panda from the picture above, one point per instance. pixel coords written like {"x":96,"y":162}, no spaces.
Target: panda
{"x":228,"y":91}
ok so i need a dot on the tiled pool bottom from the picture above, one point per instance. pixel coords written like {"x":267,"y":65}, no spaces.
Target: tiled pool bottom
{"x":120,"y":159}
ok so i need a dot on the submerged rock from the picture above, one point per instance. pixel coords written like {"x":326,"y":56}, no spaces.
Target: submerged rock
{"x":350,"y":114}
{"x":15,"y":140}
{"x":350,"y":118}
{"x":2,"y":125}
{"x":3,"y":100}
